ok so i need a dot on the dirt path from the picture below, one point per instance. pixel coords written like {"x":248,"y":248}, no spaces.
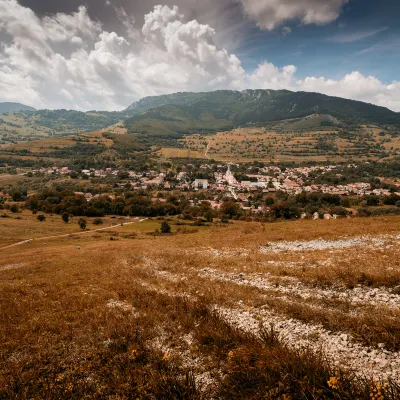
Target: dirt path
{"x":207,"y":149}
{"x":70,"y":234}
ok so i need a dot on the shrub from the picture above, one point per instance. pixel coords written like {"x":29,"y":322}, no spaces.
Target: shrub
{"x":65,"y":217}
{"x":165,"y":227}
{"x":98,"y":221}
{"x":14,"y":208}
{"x":82,"y":223}
{"x":41,"y":218}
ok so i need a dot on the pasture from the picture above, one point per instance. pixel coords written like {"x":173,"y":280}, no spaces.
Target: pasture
{"x":305,"y":309}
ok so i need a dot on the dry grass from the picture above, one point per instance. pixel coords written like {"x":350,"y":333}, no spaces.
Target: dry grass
{"x":112,"y":320}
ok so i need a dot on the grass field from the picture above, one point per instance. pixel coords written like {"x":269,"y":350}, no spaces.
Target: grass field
{"x":300,"y":310}
{"x":51,"y":144}
{"x":170,"y":152}
{"x":281,"y":144}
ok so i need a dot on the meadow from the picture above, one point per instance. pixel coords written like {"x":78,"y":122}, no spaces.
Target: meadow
{"x":285,"y":142}
{"x":289,"y":310}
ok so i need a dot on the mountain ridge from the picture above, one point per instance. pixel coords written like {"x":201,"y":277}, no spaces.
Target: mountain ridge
{"x":261,"y":105}
{"x":6,"y":107}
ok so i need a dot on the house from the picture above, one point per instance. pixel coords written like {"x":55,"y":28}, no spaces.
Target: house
{"x":200,"y":184}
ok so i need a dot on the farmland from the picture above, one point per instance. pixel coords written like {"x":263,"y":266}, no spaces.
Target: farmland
{"x":305,"y":309}
{"x":281,"y":144}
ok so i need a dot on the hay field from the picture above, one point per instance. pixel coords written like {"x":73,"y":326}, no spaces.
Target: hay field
{"x":52,"y":144}
{"x":261,"y":144}
{"x":291,"y":310}
{"x":171,"y":152}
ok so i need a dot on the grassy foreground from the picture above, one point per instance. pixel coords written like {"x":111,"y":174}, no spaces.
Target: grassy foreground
{"x":202,"y":315}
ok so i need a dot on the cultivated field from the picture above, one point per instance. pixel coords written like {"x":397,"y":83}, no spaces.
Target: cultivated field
{"x":284,"y":144}
{"x":291,"y":310}
{"x":52,"y":144}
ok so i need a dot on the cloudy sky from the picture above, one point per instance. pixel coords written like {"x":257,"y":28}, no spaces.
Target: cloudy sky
{"x":105,"y":54}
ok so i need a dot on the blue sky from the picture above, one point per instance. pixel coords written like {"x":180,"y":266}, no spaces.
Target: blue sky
{"x":105,"y":54}
{"x":366,"y":38}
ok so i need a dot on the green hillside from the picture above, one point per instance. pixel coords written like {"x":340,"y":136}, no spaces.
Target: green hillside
{"x":14,"y":107}
{"x":30,"y":125}
{"x":184,"y":113}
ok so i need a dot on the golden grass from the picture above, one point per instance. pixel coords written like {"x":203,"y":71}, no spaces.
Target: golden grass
{"x":109,"y":320}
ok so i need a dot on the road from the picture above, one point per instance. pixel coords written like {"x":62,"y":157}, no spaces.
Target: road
{"x":207,"y":148}
{"x":69,"y":234}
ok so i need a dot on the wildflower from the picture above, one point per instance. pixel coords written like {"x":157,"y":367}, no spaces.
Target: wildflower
{"x":378,"y":392}
{"x":230,"y":354}
{"x":134,"y":353}
{"x":333,"y":383}
{"x":166,"y":357}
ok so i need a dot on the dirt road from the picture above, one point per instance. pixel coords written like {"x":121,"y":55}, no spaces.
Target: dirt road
{"x":69,"y":234}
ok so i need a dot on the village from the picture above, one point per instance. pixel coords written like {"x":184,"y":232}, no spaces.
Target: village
{"x":221,"y":178}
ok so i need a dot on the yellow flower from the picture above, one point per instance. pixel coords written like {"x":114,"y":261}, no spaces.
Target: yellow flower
{"x":230,"y":354}
{"x":166,"y":356}
{"x":333,"y":383}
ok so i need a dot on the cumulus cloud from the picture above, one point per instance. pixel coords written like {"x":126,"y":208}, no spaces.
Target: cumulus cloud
{"x":268,"y":14}
{"x":70,"y":61}
{"x":356,"y":86}
{"x":103,"y":70}
{"x":268,"y":76}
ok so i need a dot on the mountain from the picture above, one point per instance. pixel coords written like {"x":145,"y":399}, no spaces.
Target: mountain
{"x":14,"y":107}
{"x":171,"y":116}
{"x":29,"y":125}
{"x":258,"y":106}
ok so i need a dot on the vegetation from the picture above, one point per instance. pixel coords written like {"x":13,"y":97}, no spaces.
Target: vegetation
{"x":165,"y":119}
{"x":149,"y":319}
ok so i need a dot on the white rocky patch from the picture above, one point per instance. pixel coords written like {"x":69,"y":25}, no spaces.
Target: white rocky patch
{"x":358,"y":296}
{"x":321,"y":244}
{"x":11,"y":266}
{"x":341,"y":349}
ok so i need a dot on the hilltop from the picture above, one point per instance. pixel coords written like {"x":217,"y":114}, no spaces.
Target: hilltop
{"x":14,"y":107}
{"x":250,"y":107}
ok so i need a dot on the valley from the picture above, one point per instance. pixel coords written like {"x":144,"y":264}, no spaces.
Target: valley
{"x":201,"y":246}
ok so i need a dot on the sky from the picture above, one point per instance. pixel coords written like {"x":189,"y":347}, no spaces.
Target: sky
{"x":106,"y":54}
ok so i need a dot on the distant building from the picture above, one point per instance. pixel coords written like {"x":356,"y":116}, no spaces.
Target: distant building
{"x":200,"y":184}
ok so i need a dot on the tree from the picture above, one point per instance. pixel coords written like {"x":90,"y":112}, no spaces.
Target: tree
{"x":165,"y":227}
{"x":14,"y":208}
{"x":41,"y":218}
{"x":82,"y":223}
{"x":65,"y":217}
{"x":208,"y":215}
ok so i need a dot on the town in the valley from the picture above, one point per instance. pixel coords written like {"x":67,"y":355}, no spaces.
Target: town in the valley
{"x":253,"y":189}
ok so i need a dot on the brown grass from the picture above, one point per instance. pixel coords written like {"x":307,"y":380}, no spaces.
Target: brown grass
{"x":109,"y":320}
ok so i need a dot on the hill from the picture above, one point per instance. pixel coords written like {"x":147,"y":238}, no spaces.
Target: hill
{"x":263,"y":310}
{"x":14,"y":107}
{"x":31,"y":125}
{"x":338,"y":124}
{"x":260,"y":106}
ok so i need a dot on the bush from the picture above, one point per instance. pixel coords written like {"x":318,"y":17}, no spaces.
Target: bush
{"x":98,"y":221}
{"x":165,"y":227}
{"x":373,"y":201}
{"x":65,"y":217}
{"x":364,"y":212}
{"x":14,"y":208}
{"x":41,"y":218}
{"x":82,"y":223}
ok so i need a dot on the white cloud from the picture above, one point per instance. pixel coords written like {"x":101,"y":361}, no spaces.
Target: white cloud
{"x":103,"y":70}
{"x":268,"y":14}
{"x":268,"y":76}
{"x":356,"y":86}
{"x":69,"y":61}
